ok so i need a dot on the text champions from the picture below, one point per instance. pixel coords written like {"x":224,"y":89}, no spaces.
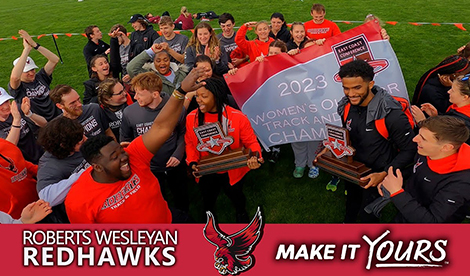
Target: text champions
{"x":99,"y":247}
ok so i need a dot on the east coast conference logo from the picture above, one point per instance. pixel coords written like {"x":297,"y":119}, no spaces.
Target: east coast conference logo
{"x":357,"y":48}
{"x":212,"y":139}
{"x":233,"y":253}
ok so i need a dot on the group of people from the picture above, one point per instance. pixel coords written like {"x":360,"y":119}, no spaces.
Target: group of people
{"x":107,"y":160}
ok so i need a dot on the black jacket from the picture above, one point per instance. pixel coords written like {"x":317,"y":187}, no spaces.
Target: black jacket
{"x":91,"y":49}
{"x":438,"y":190}
{"x":283,"y":34}
{"x":91,"y":91}
{"x":142,"y":40}
{"x":373,"y":149}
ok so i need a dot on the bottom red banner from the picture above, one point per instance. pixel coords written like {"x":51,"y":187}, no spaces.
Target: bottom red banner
{"x":235,"y":249}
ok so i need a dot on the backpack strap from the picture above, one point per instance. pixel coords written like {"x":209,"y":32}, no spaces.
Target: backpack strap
{"x":405,"y":107}
{"x":381,"y":127}
{"x":347,"y":106}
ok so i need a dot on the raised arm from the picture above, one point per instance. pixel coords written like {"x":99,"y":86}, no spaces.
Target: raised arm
{"x":26,"y":108}
{"x":134,"y":67}
{"x":52,"y":59}
{"x":14,"y":134}
{"x":55,"y":193}
{"x":179,"y":57}
{"x":15,"y":77}
{"x":166,"y":121}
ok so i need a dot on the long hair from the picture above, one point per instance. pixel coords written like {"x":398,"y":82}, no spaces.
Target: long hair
{"x":184,"y":12}
{"x":450,"y":65}
{"x":213,"y":40}
{"x":219,"y":89}
{"x":92,"y":64}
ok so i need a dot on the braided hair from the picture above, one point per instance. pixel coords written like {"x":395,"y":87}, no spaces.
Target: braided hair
{"x":219,"y":89}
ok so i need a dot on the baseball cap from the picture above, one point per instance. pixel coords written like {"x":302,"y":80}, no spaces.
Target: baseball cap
{"x":30,"y":65}
{"x":136,"y":17}
{"x":4,"y":96}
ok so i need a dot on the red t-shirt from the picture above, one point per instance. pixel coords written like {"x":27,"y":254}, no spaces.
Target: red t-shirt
{"x":324,"y":30}
{"x":137,"y":199}
{"x":17,"y":185}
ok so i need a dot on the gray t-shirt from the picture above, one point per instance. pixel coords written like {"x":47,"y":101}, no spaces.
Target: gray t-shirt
{"x":228,"y":44}
{"x":52,"y":170}
{"x":137,"y":120}
{"x":177,"y":44}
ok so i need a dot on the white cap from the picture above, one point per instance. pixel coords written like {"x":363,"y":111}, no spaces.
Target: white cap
{"x":4,"y":96}
{"x":30,"y":65}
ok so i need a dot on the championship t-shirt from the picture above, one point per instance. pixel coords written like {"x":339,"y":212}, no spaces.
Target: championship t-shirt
{"x":38,"y":92}
{"x":93,"y":120}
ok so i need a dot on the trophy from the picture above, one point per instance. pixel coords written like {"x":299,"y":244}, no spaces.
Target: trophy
{"x":221,"y":158}
{"x":338,"y":160}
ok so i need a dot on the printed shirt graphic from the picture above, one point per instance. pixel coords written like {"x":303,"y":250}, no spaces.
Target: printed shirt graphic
{"x":93,"y":120}
{"x":324,"y":30}
{"x":137,"y":199}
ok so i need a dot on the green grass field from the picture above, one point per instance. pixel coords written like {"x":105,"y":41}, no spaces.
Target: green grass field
{"x":283,"y":198}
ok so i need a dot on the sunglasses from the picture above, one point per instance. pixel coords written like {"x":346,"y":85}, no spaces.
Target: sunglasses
{"x":466,"y":77}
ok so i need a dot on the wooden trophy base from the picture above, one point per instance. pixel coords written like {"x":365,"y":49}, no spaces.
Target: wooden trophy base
{"x":231,"y":159}
{"x":351,"y":172}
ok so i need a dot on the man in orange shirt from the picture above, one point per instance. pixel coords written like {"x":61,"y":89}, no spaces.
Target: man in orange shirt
{"x":119,"y":186}
{"x":320,"y":28}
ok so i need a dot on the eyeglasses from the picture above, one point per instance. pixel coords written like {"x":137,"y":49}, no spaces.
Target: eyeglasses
{"x":119,"y":93}
{"x":465,"y":78}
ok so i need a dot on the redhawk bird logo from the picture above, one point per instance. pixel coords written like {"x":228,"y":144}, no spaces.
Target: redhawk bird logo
{"x":233,"y":253}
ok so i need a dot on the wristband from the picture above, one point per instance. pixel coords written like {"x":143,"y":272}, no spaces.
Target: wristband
{"x":178,"y":95}
{"x":30,"y":113}
{"x":15,"y":126}
{"x":181,"y":90}
{"x":37,"y":46}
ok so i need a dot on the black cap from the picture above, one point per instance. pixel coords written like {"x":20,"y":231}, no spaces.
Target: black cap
{"x":136,"y":17}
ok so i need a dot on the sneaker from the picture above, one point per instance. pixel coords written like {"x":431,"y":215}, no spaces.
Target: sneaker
{"x":313,"y":172}
{"x":274,"y":156}
{"x":205,"y":19}
{"x":298,"y":172}
{"x":333,"y":184}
